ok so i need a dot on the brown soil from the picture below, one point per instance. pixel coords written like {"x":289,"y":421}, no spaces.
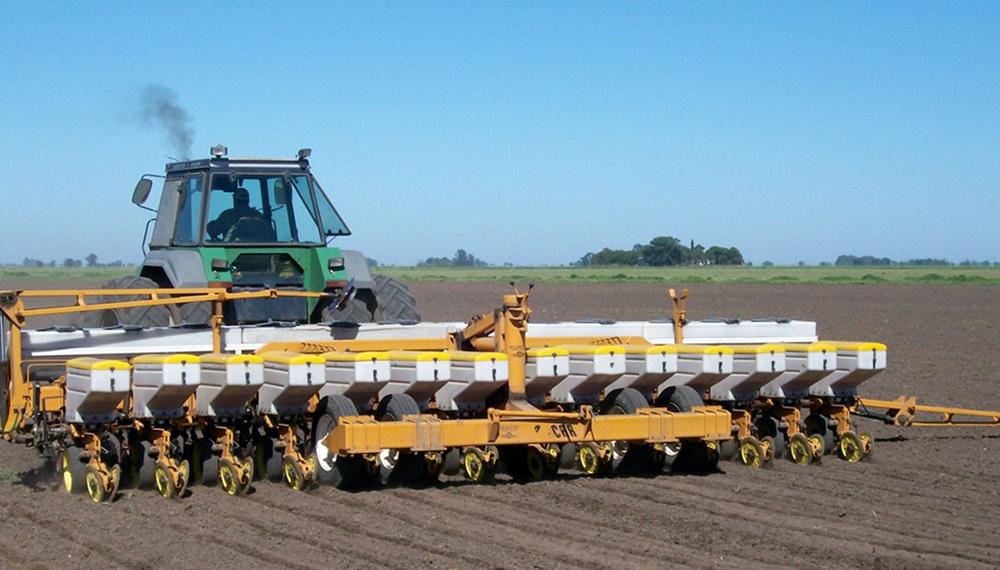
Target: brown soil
{"x":928,"y":498}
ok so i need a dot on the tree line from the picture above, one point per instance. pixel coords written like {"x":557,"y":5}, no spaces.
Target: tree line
{"x":461,"y":258}
{"x":869,"y":260}
{"x":664,"y":251}
{"x":91,"y":261}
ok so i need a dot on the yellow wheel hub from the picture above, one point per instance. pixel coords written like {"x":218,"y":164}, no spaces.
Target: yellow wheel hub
{"x":294,"y":475}
{"x":475,"y":465}
{"x":536,"y":463}
{"x":227,"y":477}
{"x":95,"y":487}
{"x":850,"y":447}
{"x":164,"y":483}
{"x":751,"y":453}
{"x":590,"y":461}
{"x":799,"y":450}
{"x":867,"y":441}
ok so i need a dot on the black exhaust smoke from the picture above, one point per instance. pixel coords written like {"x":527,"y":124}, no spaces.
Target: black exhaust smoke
{"x":159,"y":109}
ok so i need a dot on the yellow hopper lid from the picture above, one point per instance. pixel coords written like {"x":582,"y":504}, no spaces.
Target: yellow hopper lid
{"x":89,"y":363}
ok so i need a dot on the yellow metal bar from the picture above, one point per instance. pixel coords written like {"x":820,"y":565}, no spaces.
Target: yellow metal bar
{"x":679,"y":314}
{"x":372,"y":345}
{"x":584,"y":413}
{"x":156,"y":297}
{"x":363,"y":435}
{"x":213,"y":291}
{"x":511,"y":329}
{"x":19,"y":397}
{"x":903,"y":410}
{"x":546,"y":341}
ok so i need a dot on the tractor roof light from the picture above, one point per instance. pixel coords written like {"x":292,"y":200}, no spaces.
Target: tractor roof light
{"x":219,"y":151}
{"x":305,"y":153}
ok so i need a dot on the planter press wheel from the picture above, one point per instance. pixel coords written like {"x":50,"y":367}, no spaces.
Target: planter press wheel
{"x":850,"y":448}
{"x":229,"y":478}
{"x":799,"y":450}
{"x":751,"y":453}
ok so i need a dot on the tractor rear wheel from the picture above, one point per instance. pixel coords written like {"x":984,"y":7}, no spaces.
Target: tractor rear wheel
{"x":355,"y":311}
{"x":395,"y":302}
{"x":150,"y":316}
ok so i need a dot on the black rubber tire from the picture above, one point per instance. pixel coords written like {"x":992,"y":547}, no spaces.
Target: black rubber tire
{"x":204,"y":464}
{"x":340,"y":472}
{"x":395,"y":302}
{"x":267,"y":460}
{"x":728,"y":449}
{"x":77,"y":469}
{"x":152,"y":316}
{"x":144,"y":466}
{"x":818,"y":424}
{"x":91,"y":319}
{"x":695,"y":457}
{"x":770,"y":426}
{"x":679,"y":399}
{"x":452,"y":461}
{"x":410,"y":468}
{"x":567,"y":455}
{"x":514,"y":461}
{"x":393,"y":407}
{"x":195,"y":313}
{"x":354,"y":311}
{"x":638,"y":458}
{"x":111,"y":451}
{"x":413,"y":470}
{"x":624,"y":401}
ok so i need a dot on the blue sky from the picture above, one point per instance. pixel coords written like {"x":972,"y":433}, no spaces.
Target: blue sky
{"x":528,"y":133}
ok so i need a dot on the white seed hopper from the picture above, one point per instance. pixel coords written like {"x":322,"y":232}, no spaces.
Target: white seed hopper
{"x":475,"y":376}
{"x":228,"y":383}
{"x":357,"y":375}
{"x":290,"y":381}
{"x":753,"y":366}
{"x":95,"y":388}
{"x":162,"y":383}
{"x":417,"y":374}
{"x":805,"y":365}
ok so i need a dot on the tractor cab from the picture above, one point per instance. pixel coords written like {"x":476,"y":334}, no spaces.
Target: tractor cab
{"x":251,"y":202}
{"x":250,"y":223}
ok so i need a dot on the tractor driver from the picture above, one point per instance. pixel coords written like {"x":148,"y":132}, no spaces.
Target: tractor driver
{"x":225,"y":225}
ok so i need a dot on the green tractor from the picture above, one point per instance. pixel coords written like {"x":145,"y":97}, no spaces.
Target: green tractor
{"x":246,"y":224}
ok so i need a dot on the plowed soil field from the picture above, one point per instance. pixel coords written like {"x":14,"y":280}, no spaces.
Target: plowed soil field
{"x":927,"y":499}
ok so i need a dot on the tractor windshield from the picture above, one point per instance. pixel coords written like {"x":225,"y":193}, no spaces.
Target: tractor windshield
{"x":269,"y":208}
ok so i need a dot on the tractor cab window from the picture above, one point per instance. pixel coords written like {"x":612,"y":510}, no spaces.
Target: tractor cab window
{"x":236,"y":211}
{"x":263,"y":208}
{"x":333,"y":224}
{"x":189,"y":200}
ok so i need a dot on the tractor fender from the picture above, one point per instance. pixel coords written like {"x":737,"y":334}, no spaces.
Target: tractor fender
{"x":357,"y":269}
{"x":174,"y":268}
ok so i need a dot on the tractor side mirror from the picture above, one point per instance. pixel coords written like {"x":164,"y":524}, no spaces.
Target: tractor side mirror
{"x":141,"y":192}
